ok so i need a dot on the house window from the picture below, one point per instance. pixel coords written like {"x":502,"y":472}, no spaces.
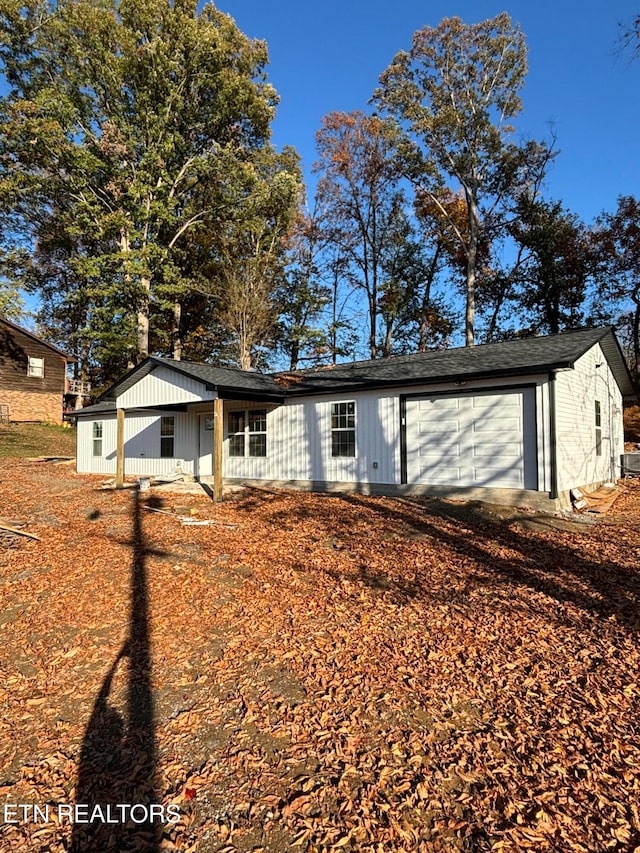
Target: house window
{"x":247,"y":432}
{"x":167,"y":436}
{"x":598,"y":422}
{"x":343,"y":429}
{"x":257,"y":421}
{"x":35,"y":367}
{"x":97,"y":438}
{"x":236,"y":433}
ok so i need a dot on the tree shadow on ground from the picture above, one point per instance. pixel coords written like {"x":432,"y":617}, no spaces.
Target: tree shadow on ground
{"x":482,"y":551}
{"x":116,"y":779}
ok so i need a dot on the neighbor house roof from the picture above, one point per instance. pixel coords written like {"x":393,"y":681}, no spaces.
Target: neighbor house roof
{"x":34,"y":337}
{"x":519,"y":357}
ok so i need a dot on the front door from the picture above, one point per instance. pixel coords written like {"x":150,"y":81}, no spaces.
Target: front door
{"x":205,"y":457}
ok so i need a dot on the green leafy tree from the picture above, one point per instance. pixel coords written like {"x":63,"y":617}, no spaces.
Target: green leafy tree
{"x":453,"y":96}
{"x":129,"y":122}
{"x":617,"y":237}
{"x":555,"y":267}
{"x":251,"y":259}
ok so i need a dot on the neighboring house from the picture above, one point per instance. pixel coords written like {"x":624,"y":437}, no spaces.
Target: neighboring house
{"x":32,"y":375}
{"x":517,"y":421}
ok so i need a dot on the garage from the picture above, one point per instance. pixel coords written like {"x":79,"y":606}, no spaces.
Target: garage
{"x":483,"y":438}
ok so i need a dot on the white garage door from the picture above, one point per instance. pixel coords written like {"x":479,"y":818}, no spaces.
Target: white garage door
{"x":485,"y":439}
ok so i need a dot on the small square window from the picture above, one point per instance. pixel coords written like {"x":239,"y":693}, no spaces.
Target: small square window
{"x":258,"y":444}
{"x":247,"y":432}
{"x":236,"y":444}
{"x":35,"y":367}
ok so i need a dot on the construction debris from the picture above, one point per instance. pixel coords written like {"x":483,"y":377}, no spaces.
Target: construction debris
{"x":12,"y":529}
{"x":186,"y":520}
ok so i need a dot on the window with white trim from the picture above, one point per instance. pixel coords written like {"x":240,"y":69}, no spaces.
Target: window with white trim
{"x":97,"y":438}
{"x":343,"y":429}
{"x":247,"y":432}
{"x":167,"y":436}
{"x":35,"y":367}
{"x":598,"y":422}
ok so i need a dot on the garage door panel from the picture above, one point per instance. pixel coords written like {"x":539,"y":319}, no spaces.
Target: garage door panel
{"x":439,"y":404}
{"x":507,"y":477}
{"x":505,"y":424}
{"x":439,"y":475}
{"x":497,"y":450}
{"x":440,"y":428}
{"x":483,"y":444}
{"x":490,"y":401}
{"x":448,"y":456}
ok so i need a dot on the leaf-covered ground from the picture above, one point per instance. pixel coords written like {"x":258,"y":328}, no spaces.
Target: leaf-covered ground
{"x":332,"y":673}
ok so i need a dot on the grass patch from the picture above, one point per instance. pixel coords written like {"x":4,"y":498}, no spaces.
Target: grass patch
{"x":18,"y":441}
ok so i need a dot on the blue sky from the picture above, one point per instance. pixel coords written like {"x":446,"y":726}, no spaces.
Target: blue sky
{"x":328,"y":56}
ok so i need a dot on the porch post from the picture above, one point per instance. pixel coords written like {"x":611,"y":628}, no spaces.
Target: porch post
{"x":120,"y":449}
{"x":218,"y":428}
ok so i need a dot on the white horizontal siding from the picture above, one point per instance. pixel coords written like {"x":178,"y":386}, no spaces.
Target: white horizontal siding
{"x":576,"y":393}
{"x":163,"y":387}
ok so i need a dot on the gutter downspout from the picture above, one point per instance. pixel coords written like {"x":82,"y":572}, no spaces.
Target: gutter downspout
{"x":553,"y":458}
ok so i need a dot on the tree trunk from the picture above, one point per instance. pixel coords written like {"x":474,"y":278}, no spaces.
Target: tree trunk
{"x":295,"y":351}
{"x":426,"y":300}
{"x":472,"y":256}
{"x":388,"y":338}
{"x":175,"y":332}
{"x":143,"y":319}
{"x":244,"y":347}
{"x":636,"y":344}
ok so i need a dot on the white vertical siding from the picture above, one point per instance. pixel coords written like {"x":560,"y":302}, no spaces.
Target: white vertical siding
{"x":141,"y":444}
{"x":576,"y":393}
{"x":543,"y":424}
{"x":298,"y":439}
{"x":299,"y":442}
{"x":163,"y":387}
{"x":86,"y":462}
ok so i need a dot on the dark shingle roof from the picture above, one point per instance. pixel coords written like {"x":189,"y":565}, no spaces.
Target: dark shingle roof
{"x":226,"y":377}
{"x":95,"y":409}
{"x":521,"y":357}
{"x":227,"y":381}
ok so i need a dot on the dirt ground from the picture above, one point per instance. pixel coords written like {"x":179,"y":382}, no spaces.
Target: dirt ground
{"x":313,"y":673}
